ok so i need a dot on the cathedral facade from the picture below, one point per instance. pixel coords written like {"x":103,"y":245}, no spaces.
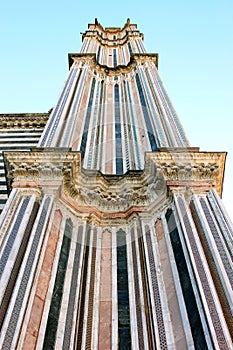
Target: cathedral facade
{"x":114,"y":235}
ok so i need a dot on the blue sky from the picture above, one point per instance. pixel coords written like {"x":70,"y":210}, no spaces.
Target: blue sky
{"x":194,"y":40}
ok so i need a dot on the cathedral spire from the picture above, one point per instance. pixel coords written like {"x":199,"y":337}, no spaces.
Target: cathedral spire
{"x":113,"y":106}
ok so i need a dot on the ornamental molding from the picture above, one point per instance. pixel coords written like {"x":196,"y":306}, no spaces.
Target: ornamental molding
{"x":113,"y":71}
{"x":25,"y":192}
{"x":23,"y":121}
{"x":191,"y":168}
{"x":113,"y":43}
{"x":110,"y":30}
{"x":95,"y":193}
{"x":111,"y":194}
{"x":41,"y":164}
{"x":108,"y":193}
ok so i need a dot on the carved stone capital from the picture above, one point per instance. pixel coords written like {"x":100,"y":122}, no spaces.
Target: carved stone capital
{"x":40,"y":168}
{"x":30,"y":192}
{"x":190,"y":168}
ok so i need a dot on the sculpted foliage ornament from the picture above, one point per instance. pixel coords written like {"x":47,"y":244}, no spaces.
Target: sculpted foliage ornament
{"x":181,"y":171}
{"x":109,"y":193}
{"x":113,"y":71}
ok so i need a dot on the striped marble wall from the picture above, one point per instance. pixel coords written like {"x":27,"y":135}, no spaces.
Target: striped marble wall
{"x":18,"y":132}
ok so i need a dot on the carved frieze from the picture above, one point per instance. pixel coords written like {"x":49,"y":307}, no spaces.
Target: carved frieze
{"x":23,"y":121}
{"x":108,"y":195}
{"x":191,"y":168}
{"x":179,"y":171}
{"x":143,"y":190}
{"x":113,"y":71}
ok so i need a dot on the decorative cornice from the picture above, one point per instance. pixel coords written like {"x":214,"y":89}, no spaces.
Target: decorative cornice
{"x":41,"y":164}
{"x":191,"y":168}
{"x":115,"y":196}
{"x":113,"y":71}
{"x":109,"y":192}
{"x":121,"y":41}
{"x":113,"y":43}
{"x":108,"y":30}
{"x":23,"y":120}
